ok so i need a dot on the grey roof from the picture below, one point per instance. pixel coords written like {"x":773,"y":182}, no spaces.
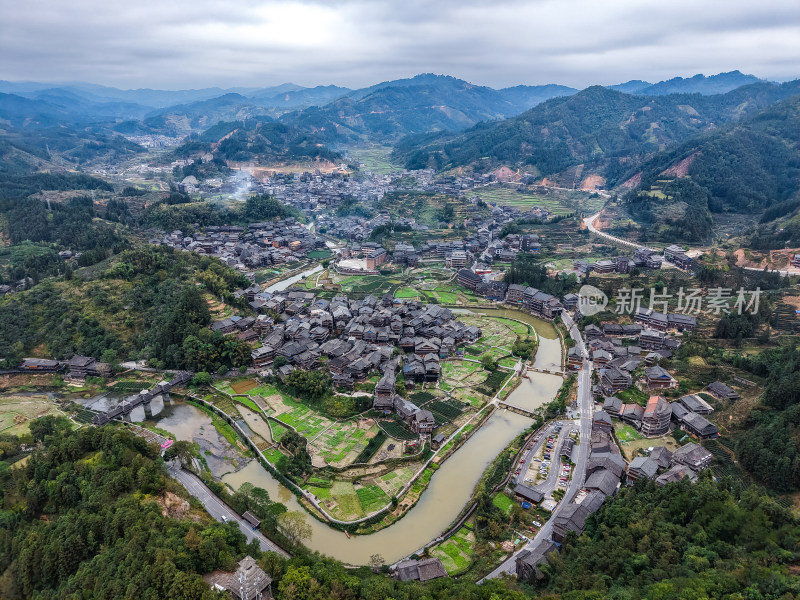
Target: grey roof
{"x":700,"y":425}
{"x":723,"y":390}
{"x":679,"y":411}
{"x":644,"y":466}
{"x":533,"y":558}
{"x":593,"y":501}
{"x":603,"y":480}
{"x":676,"y":473}
{"x":420,"y":570}
{"x":690,"y":453}
{"x":248,"y":580}
{"x":662,"y":456}
{"x":606,"y":460}
{"x":696,"y":404}
{"x":529,"y":493}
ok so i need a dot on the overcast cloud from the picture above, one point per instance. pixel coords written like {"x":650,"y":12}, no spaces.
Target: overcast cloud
{"x":200,"y":43}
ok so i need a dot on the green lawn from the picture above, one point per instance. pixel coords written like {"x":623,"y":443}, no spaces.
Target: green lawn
{"x":626,"y":433}
{"x":503,"y":502}
{"x":272,"y":454}
{"x":407,"y":293}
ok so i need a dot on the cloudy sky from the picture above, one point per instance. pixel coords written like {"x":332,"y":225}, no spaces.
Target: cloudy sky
{"x":199,"y":43}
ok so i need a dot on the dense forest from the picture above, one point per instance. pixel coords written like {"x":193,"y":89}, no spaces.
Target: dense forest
{"x":752,"y":167}
{"x":605,"y":130}
{"x":81,"y":520}
{"x":184,"y":214}
{"x":145,"y":305}
{"x":528,"y":270}
{"x":768,"y":443}
{"x":258,"y":141}
{"x":680,"y":541}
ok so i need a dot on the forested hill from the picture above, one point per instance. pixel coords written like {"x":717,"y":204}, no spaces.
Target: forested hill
{"x":82,"y":519}
{"x":603,"y":129}
{"x":184,"y":119}
{"x":259,"y":141}
{"x":750,"y":167}
{"x":421,"y":104}
{"x":705,"y":540}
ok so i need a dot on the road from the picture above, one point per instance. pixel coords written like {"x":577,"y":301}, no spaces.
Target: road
{"x":217,"y":508}
{"x":579,"y":476}
{"x":589,"y":221}
{"x":530,"y":454}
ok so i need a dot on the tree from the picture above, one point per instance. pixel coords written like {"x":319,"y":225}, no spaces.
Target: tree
{"x":180,"y":450}
{"x":376,"y":562}
{"x":295,"y":584}
{"x":488,"y":362}
{"x":202,"y":378}
{"x":48,"y":425}
{"x":279,"y":362}
{"x":293,"y":525}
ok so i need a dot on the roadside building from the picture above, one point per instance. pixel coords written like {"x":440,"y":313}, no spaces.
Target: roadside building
{"x":656,"y":417}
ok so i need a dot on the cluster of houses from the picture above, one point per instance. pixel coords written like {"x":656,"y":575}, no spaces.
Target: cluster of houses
{"x":659,"y":416}
{"x":251,"y":247}
{"x":319,"y":192}
{"x":605,"y":470}
{"x":618,"y":350}
{"x":79,"y":367}
{"x":643,"y":258}
{"x":357,"y":337}
{"x":665,"y":467}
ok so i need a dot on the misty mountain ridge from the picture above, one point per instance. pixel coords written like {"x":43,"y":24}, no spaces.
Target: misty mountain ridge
{"x":605,"y":130}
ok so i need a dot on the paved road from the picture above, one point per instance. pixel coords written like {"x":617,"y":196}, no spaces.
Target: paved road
{"x":531,"y":453}
{"x":579,"y":476}
{"x":589,"y":221}
{"x":217,"y":508}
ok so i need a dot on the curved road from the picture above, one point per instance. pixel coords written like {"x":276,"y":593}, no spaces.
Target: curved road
{"x":589,"y":221}
{"x":508,"y":567}
{"x":218,"y":509}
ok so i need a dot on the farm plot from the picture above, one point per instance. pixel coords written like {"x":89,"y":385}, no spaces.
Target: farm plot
{"x":456,"y":552}
{"x":407,"y":292}
{"x":393,"y":482}
{"x":498,"y":335}
{"x":341,"y":443}
{"x":305,"y":420}
{"x":340,"y":500}
{"x":16,"y":412}
{"x":397,"y":431}
{"x":372,"y":498}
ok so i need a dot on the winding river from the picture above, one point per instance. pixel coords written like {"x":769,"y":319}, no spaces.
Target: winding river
{"x":450,"y":487}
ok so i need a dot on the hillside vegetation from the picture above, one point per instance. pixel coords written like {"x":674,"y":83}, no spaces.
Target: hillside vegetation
{"x":257,"y":141}
{"x":751,"y":167}
{"x":605,"y":130}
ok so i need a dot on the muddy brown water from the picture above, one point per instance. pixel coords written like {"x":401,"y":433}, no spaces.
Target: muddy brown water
{"x":450,"y":487}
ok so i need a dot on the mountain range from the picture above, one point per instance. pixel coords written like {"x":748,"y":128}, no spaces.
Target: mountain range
{"x":606,"y":131}
{"x":388,"y":109}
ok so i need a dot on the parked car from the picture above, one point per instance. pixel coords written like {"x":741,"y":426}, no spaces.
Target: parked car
{"x":536,"y":523}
